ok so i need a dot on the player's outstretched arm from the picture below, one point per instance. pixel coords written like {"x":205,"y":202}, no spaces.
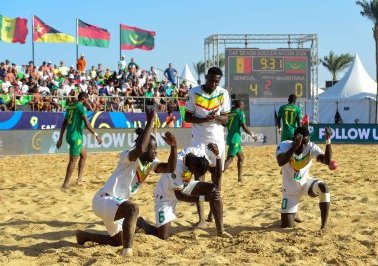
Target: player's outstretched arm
{"x":143,"y":140}
{"x":170,"y":166}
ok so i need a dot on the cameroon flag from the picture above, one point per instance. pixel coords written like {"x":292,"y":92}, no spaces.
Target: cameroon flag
{"x":132,"y":37}
{"x":295,"y":65}
{"x":44,"y":33}
{"x":13,"y":30}
{"x":90,"y":35}
{"x":240,"y":65}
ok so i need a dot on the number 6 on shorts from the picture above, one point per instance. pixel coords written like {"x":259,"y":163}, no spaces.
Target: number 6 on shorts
{"x":161,"y":216}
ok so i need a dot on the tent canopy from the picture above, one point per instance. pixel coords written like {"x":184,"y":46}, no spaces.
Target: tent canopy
{"x":188,"y":76}
{"x":355,"y":83}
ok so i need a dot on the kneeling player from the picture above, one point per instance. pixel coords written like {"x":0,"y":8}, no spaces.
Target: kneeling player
{"x":295,"y":158}
{"x":178,"y":186}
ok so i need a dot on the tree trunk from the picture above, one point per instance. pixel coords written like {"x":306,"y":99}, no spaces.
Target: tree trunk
{"x":376,"y":70}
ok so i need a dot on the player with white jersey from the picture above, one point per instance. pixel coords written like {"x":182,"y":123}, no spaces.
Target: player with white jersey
{"x":207,"y":109}
{"x":112,"y":202}
{"x":295,"y":158}
{"x":178,"y":186}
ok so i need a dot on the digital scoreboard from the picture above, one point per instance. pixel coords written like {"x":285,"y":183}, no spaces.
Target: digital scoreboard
{"x":269,"y":74}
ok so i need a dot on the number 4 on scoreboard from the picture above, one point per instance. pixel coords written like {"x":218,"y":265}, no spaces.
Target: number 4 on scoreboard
{"x":253,"y":88}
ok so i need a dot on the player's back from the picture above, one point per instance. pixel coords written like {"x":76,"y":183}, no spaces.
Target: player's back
{"x":235,"y":120}
{"x":75,"y":121}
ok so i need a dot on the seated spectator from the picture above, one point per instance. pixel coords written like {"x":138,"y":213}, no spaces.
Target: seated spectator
{"x":72,"y":98}
{"x":170,"y":119}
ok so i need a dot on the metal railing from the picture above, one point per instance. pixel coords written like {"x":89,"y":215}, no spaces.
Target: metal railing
{"x":59,"y":103}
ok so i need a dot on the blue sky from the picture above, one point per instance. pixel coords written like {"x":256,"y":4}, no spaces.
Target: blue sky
{"x":182,"y":25}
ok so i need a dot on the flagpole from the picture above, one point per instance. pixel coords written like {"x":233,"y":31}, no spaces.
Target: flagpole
{"x":77,"y":46}
{"x":32,"y":36}
{"x":120,"y":42}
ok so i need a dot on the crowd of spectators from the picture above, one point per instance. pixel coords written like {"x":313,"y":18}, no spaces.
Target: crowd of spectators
{"x":51,"y":87}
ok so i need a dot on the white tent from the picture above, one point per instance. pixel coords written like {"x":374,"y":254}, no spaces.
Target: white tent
{"x":353,"y":96}
{"x":188,"y":76}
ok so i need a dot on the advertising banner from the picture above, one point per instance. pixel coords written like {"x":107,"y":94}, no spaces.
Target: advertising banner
{"x":51,"y":120}
{"x":346,"y":133}
{"x":15,"y":142}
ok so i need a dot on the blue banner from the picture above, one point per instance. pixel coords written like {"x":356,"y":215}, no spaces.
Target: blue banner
{"x":51,"y":120}
{"x":346,"y":133}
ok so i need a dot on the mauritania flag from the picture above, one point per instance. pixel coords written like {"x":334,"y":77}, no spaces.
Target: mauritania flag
{"x":44,"y":33}
{"x":13,"y":30}
{"x":90,"y":35}
{"x":132,"y":37}
{"x":295,"y":65}
{"x":240,"y":65}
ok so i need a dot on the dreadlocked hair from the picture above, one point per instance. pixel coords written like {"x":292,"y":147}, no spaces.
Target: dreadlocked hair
{"x":139,"y":132}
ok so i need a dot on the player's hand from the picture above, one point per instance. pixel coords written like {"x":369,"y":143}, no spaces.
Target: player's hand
{"x":212,"y":115}
{"x":170,"y":139}
{"x":151,"y":115}
{"x":213,"y":148}
{"x":99,"y":140}
{"x":213,"y":195}
{"x":254,"y":137}
{"x":59,"y":143}
{"x":328,"y":133}
{"x":298,"y":140}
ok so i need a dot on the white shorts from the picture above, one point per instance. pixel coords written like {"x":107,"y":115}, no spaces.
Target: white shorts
{"x":106,"y":207}
{"x":290,"y":201}
{"x":203,"y":145}
{"x":165,"y":209}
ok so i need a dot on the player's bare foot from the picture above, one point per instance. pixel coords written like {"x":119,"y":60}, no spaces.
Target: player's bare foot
{"x":224,"y":234}
{"x":127,"y":252}
{"x":80,"y":182}
{"x":201,"y":224}
{"x":79,"y":237}
{"x":298,"y":219}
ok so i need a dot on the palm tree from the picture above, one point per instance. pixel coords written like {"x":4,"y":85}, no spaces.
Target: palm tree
{"x":336,"y":63}
{"x":199,"y":67}
{"x":370,"y":10}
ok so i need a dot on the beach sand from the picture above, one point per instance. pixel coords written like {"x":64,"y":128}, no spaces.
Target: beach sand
{"x":38,"y":220}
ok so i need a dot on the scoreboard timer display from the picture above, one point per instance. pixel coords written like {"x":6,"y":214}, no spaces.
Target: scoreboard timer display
{"x":268,"y":74}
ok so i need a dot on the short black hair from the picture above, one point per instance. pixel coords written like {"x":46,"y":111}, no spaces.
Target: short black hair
{"x":82,"y":95}
{"x":302,"y":130}
{"x":292,"y":98}
{"x":202,"y":165}
{"x":215,"y":71}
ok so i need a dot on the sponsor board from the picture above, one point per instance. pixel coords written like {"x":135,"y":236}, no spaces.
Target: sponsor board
{"x":346,"y":133}
{"x":14,"y":142}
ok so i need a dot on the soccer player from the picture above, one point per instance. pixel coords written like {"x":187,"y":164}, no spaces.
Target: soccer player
{"x":291,"y":116}
{"x":178,"y":186}
{"x":236,"y":121}
{"x":207,"y":109}
{"x":112,"y":202}
{"x":74,"y":121}
{"x":295,"y":159}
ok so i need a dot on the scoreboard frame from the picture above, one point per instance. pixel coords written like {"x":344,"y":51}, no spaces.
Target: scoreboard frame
{"x":268,"y":73}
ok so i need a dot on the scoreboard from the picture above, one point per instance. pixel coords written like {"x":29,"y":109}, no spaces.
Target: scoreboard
{"x":269,"y":74}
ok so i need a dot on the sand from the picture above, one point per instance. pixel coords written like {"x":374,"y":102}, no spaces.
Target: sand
{"x":38,"y":220}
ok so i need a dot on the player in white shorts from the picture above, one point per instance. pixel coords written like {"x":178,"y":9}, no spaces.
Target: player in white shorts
{"x":295,"y":158}
{"x":112,"y":202}
{"x":207,"y":109}
{"x":178,"y":186}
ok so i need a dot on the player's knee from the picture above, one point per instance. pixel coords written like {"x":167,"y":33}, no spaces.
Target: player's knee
{"x":131,"y":209}
{"x":240,"y":157}
{"x":323,"y":187}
